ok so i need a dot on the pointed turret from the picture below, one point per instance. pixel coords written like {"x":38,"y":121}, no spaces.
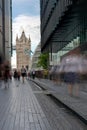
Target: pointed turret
{"x":23,"y":37}
{"x":23,"y":34}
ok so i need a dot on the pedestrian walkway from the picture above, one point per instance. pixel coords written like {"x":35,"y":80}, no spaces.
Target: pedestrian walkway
{"x":77,"y":104}
{"x":19,"y":108}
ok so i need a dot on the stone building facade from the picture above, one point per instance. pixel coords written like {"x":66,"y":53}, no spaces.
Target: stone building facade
{"x":23,"y":48}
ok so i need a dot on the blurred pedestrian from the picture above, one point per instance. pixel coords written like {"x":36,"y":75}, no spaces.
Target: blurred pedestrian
{"x":10,"y":75}
{"x":71,"y":66}
{"x":15,"y":74}
{"x":33,"y":74}
{"x":18,"y":74}
{"x":29,"y":75}
{"x":6,"y":73}
{"x":23,"y":73}
{"x":70,"y":78}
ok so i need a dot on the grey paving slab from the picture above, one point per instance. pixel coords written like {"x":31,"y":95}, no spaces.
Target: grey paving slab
{"x":19,"y":108}
{"x":58,"y":118}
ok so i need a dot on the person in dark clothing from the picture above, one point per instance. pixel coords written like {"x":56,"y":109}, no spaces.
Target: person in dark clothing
{"x":33,"y":74}
{"x":18,"y":74}
{"x":6,"y":74}
{"x":15,"y":74}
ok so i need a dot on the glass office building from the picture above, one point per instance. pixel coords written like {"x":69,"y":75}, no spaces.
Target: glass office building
{"x":1,"y":44}
{"x":5,"y":30}
{"x":63,"y":27}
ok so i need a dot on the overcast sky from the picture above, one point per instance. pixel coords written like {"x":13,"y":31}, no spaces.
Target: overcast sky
{"x":26,"y":16}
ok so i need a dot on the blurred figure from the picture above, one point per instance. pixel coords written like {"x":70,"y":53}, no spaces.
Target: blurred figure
{"x":29,"y":75}
{"x":0,"y":71}
{"x":6,"y":73}
{"x":18,"y":74}
{"x":71,"y":78}
{"x":53,"y":73}
{"x":23,"y":73}
{"x":71,"y":67}
{"x":33,"y":74}
{"x":15,"y":74}
{"x":10,"y":75}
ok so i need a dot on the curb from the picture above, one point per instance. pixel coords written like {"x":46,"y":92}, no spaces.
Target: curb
{"x":56,"y":98}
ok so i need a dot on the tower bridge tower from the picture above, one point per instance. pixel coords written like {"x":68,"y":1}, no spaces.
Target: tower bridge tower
{"x":23,"y":47}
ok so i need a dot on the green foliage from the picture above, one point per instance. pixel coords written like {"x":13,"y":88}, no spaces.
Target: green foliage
{"x":43,"y":60}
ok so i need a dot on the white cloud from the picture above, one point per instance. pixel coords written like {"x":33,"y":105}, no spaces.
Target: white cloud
{"x":31,"y":26}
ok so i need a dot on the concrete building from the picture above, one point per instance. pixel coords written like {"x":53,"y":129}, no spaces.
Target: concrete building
{"x":63,"y":28}
{"x":23,"y":48}
{"x":5,"y":30}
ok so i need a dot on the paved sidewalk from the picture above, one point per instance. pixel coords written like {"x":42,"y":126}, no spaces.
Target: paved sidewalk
{"x":19,"y":108}
{"x":77,"y":104}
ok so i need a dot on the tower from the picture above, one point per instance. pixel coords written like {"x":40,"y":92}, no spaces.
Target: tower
{"x":23,"y":47}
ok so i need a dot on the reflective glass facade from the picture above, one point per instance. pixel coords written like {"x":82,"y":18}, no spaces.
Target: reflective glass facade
{"x":1,"y":50}
{"x":63,"y":26}
{"x":5,"y":29}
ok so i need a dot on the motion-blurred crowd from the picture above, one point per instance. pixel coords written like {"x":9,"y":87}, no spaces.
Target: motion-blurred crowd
{"x":7,"y":73}
{"x":71,"y":70}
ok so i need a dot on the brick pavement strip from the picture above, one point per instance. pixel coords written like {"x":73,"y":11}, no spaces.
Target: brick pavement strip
{"x":20,"y":110}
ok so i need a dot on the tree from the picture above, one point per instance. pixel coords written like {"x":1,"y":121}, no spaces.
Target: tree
{"x":43,"y":60}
